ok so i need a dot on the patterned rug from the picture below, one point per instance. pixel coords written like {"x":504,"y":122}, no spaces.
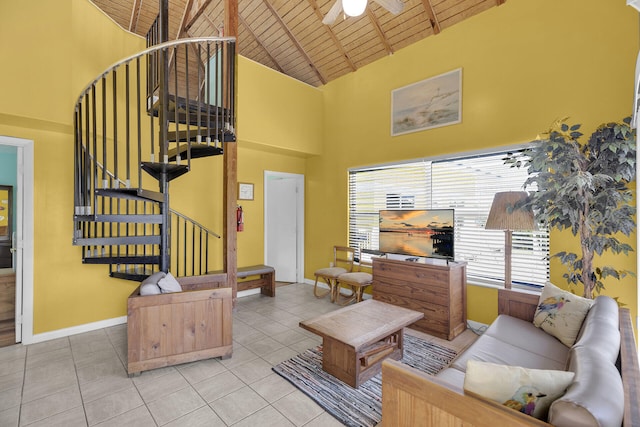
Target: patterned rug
{"x":361,"y":407}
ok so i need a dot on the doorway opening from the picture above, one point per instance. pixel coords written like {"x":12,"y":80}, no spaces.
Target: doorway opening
{"x":16,"y":240}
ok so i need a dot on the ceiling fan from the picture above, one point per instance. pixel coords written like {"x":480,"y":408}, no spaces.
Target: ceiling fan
{"x":357,"y":7}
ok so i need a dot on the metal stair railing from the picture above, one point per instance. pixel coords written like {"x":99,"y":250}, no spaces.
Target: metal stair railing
{"x":119,"y":128}
{"x":117,"y":123}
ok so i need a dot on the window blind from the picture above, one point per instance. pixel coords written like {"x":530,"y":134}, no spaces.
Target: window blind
{"x":465,"y":184}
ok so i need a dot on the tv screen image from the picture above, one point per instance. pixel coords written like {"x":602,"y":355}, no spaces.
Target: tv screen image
{"x":423,"y":233}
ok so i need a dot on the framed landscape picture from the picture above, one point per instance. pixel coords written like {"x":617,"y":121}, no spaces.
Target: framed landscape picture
{"x":430,"y":103}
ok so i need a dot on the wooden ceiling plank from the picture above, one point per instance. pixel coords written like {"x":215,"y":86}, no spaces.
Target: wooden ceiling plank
{"x":378,"y":28}
{"x":265,"y":48}
{"x":135,"y":13}
{"x":333,"y":37}
{"x":295,"y":41}
{"x":428,"y":7}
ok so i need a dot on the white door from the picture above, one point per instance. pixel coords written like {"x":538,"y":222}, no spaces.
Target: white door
{"x":284,"y":230}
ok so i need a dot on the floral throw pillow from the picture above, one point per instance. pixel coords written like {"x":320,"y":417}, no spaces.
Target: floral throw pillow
{"x":530,"y":391}
{"x":561,"y":313}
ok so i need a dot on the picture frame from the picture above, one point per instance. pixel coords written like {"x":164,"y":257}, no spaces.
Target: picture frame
{"x":245,"y":191}
{"x":427,"y":104}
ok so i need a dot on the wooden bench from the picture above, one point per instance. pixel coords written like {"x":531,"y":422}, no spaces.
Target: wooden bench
{"x":265,"y":280}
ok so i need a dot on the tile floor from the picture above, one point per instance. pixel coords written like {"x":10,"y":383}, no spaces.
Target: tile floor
{"x":82,"y":381}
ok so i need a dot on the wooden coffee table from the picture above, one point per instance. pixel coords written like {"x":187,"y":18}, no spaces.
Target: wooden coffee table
{"x":356,"y":339}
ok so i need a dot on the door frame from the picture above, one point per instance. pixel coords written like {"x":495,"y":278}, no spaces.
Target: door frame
{"x":24,"y":236}
{"x":299,"y":179}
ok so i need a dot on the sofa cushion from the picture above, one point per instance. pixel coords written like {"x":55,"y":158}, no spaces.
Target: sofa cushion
{"x":149,"y":286}
{"x":526,"y":336}
{"x":595,"y":397}
{"x":561,"y":313}
{"x":530,"y":391}
{"x":490,"y":349}
{"x":601,"y":331}
{"x":169,"y":284}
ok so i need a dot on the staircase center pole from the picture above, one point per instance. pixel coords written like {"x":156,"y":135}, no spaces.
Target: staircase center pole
{"x":163,"y":122}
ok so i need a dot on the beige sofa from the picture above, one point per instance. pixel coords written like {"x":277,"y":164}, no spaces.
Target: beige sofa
{"x":606,"y":386}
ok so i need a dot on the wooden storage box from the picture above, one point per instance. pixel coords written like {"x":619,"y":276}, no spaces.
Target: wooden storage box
{"x":181,"y":327}
{"x":439,"y":290}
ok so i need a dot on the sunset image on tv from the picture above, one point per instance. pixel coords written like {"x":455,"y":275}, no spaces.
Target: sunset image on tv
{"x":422,"y":233}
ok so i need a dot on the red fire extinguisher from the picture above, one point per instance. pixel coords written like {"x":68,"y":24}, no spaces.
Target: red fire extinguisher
{"x":240,"y":218}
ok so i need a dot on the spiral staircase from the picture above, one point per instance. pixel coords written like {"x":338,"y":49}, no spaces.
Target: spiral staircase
{"x":138,"y":126}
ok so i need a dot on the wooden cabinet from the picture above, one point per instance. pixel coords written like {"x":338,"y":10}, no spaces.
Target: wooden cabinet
{"x":437,"y":290}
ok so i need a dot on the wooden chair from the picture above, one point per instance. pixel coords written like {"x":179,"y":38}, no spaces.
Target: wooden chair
{"x":342,"y":263}
{"x":357,"y":281}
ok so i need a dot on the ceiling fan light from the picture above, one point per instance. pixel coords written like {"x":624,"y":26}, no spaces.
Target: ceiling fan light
{"x":354,"y":7}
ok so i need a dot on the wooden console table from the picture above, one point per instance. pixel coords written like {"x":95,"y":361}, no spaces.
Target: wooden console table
{"x":356,"y":339}
{"x":437,"y":290}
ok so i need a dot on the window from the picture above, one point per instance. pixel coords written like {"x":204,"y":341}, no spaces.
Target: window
{"x":466,"y":184}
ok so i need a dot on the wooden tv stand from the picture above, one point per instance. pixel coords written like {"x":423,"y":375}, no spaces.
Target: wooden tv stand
{"x":439,"y":290}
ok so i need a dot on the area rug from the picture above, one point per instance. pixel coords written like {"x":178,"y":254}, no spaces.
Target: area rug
{"x":361,"y":407}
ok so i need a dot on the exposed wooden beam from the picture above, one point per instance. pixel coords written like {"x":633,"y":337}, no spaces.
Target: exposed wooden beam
{"x":428,"y":7}
{"x":135,"y":14}
{"x":376,"y":26}
{"x":181,"y":28}
{"x":262,"y":45}
{"x":295,"y":41}
{"x":197,"y":7}
{"x":333,"y":36}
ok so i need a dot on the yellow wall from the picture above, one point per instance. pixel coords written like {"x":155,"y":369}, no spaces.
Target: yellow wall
{"x":525,"y":64}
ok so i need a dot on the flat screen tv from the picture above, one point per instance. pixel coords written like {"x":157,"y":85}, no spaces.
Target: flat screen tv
{"x":420,"y":233}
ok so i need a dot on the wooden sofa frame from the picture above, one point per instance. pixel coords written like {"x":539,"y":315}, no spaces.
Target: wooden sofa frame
{"x":169,"y":329}
{"x":411,"y":397}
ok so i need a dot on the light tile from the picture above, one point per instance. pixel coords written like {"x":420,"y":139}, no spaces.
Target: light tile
{"x":112,"y":405}
{"x":72,"y":418}
{"x":219,"y":386}
{"x":102,"y":387}
{"x":266,"y":417}
{"x":273,"y":387}
{"x":50,"y":405}
{"x":9,"y":417}
{"x":298,"y":408}
{"x":238,"y":405}
{"x":252,"y":371}
{"x":156,"y":387}
{"x":199,"y":371}
{"x":280,"y":355}
{"x":175,"y":405}
{"x":13,"y":352}
{"x":289,"y":337}
{"x":240,"y":355}
{"x":203,"y":417}
{"x":264,"y":345}
{"x":10,"y":397}
{"x":138,"y":417}
{"x":41,"y":385}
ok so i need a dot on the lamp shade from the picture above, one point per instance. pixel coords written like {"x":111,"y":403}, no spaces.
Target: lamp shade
{"x":505,"y":216}
{"x":354,"y":7}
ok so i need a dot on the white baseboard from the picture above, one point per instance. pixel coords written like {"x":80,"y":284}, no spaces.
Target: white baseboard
{"x":74,"y":330}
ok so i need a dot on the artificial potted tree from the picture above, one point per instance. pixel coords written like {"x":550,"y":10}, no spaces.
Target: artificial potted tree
{"x":583,"y":187}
